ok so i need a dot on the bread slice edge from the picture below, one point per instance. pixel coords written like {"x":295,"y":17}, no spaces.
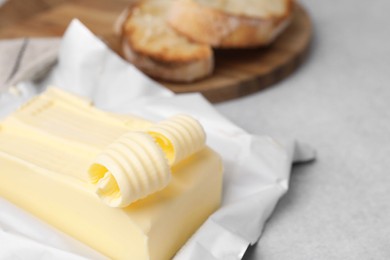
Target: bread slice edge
{"x":223,"y":30}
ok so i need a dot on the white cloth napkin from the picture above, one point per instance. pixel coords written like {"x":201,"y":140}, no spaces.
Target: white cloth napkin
{"x":257,"y":168}
{"x":26,"y":59}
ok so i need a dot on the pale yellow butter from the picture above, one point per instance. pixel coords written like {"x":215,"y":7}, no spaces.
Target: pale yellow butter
{"x":48,"y":146}
{"x":138,"y":164}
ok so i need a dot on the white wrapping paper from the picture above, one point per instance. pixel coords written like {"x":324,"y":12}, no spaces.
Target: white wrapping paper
{"x":257,"y":168}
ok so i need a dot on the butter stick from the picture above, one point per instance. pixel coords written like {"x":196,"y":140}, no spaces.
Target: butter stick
{"x":46,"y":150}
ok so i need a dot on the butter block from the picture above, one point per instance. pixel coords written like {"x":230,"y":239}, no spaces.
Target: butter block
{"x":48,"y":146}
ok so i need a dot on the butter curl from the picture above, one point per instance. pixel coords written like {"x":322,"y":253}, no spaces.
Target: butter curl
{"x":129,"y":169}
{"x":179,"y":136}
{"x":138,"y":163}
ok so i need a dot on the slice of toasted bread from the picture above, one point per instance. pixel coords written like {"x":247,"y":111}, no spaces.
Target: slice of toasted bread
{"x":154,"y":47}
{"x":231,"y":23}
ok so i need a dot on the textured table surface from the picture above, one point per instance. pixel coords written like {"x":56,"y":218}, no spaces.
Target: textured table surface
{"x":339,"y":101}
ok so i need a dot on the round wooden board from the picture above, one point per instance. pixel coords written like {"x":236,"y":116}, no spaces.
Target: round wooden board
{"x":242,"y":72}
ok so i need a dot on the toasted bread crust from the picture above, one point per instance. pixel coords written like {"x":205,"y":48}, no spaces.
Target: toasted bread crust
{"x":168,"y":70}
{"x":157,"y":40}
{"x":154,"y":47}
{"x":226,"y":30}
{"x":172,"y":40}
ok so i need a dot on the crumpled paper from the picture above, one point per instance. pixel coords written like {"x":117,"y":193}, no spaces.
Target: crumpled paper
{"x":256,"y":174}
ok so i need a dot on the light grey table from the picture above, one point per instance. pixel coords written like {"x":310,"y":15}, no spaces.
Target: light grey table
{"x":339,"y":101}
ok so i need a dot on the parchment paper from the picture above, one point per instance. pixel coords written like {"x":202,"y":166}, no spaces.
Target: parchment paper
{"x":257,"y":168}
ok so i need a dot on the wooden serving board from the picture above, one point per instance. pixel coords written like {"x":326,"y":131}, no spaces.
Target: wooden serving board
{"x":237,"y":72}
